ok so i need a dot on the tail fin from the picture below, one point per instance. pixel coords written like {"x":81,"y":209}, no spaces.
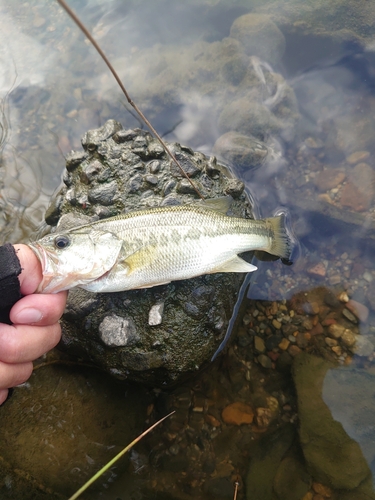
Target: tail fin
{"x":282,"y":244}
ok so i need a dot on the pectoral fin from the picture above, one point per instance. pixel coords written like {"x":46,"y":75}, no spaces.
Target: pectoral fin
{"x":235,"y":265}
{"x":140,"y":258}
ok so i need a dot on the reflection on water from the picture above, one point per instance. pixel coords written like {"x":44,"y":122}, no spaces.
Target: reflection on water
{"x":298,"y":129}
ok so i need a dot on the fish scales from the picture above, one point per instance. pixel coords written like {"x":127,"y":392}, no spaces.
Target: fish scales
{"x":159,"y":245}
{"x":171,"y":244}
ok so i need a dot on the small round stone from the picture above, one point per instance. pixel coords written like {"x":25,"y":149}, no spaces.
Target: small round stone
{"x":357,"y":157}
{"x":348,"y":338}
{"x":259,"y":344}
{"x":294,"y":350}
{"x":265,"y":361}
{"x":335,"y":330}
{"x":276,"y":324}
{"x":273,"y":341}
{"x":349,"y":315}
{"x":237,"y":414}
{"x":330,"y":342}
{"x":211,"y":420}
{"x":284,"y":344}
{"x":358,"y":309}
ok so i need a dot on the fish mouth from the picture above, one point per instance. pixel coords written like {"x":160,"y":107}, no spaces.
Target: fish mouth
{"x":48,"y":262}
{"x":53,"y":279}
{"x":40,"y":253}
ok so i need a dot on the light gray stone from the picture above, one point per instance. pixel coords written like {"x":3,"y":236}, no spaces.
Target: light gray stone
{"x":117,"y":331}
{"x":363,"y":346}
{"x":155,"y":316}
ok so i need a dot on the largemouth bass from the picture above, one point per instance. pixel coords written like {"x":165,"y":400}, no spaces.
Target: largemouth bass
{"x":155,"y":246}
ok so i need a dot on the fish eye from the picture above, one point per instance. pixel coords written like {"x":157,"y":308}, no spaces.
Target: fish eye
{"x":62,"y":242}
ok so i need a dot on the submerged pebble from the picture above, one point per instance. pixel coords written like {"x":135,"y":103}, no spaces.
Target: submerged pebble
{"x":238,"y":414}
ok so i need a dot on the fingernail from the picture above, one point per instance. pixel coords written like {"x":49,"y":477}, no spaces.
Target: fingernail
{"x":28,"y":315}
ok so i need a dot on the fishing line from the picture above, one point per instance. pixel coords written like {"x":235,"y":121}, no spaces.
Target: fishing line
{"x":243,"y":290}
{"x":84,"y":30}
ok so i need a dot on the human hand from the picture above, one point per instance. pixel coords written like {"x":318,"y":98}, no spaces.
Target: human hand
{"x":35,"y":329}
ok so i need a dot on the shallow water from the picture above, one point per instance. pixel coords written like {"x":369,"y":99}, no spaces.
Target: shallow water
{"x":319,"y":168}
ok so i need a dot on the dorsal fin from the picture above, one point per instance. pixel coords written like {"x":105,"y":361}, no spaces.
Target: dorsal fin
{"x":221,"y":205}
{"x":71,"y":221}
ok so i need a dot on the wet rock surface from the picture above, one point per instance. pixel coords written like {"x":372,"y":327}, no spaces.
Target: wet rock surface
{"x":324,"y":442}
{"x":260,"y":36}
{"x":242,"y":150}
{"x":355,"y":385}
{"x":155,"y":335}
{"x":77,"y":422}
{"x":8,"y":217}
{"x":340,"y":21}
{"x":267,"y":456}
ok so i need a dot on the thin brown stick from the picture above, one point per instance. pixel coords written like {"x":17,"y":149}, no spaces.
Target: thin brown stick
{"x":83,"y":28}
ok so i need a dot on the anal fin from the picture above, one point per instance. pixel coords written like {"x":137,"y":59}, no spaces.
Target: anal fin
{"x":153,"y":284}
{"x":235,"y":265}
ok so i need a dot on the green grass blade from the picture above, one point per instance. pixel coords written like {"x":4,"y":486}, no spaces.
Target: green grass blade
{"x":117,"y":457}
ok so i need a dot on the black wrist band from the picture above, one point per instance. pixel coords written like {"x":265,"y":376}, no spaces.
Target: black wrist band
{"x":10,"y":290}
